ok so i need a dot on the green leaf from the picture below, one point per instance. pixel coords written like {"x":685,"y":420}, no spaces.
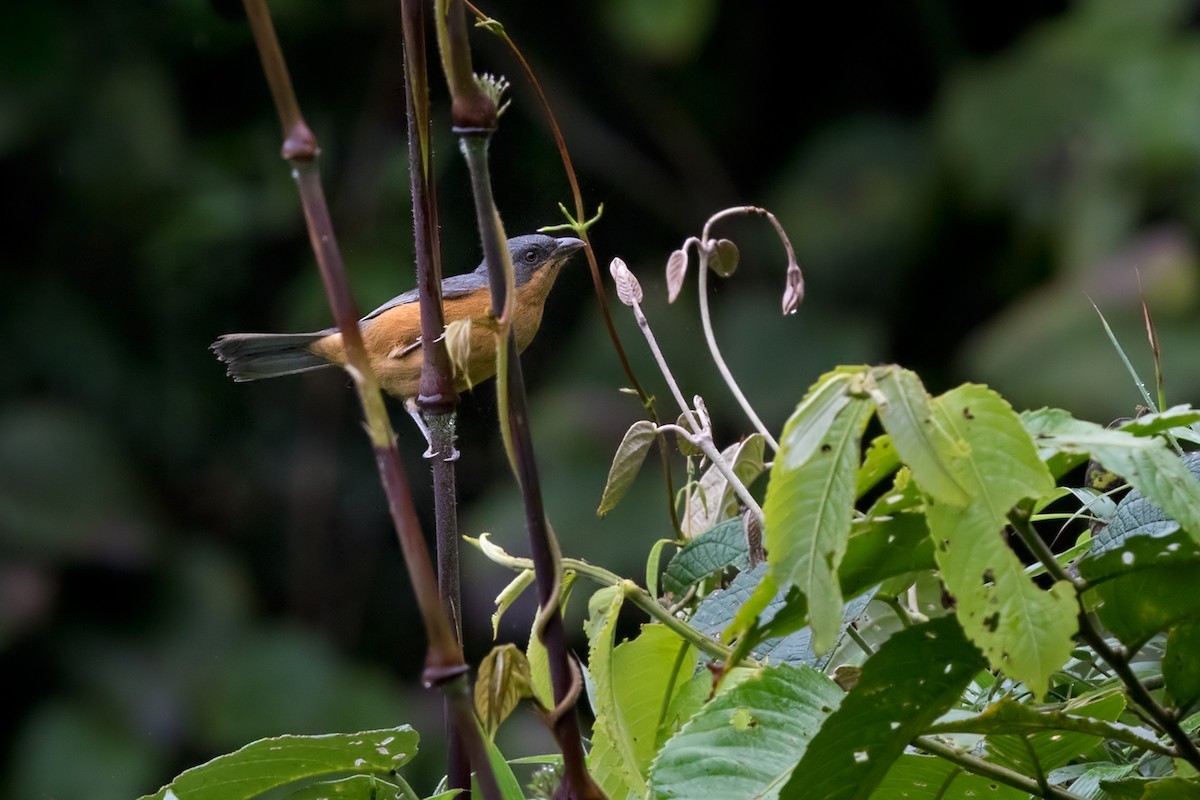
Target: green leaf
{"x":503,"y":682}
{"x":922,"y":443}
{"x":718,"y":548}
{"x":1145,"y":585}
{"x":358,"y":787}
{"x":912,"y":679}
{"x":1055,"y":749}
{"x":1145,"y":462}
{"x":1181,"y":664}
{"x":626,"y":463}
{"x":745,"y":742}
{"x":879,"y":461}
{"x":1011,"y":717}
{"x":806,"y":428}
{"x":1173,"y":417}
{"x":280,"y":760}
{"x":614,"y":760}
{"x":508,"y":595}
{"x":884,"y":549}
{"x":506,"y":780}
{"x":1152,"y":789}
{"x":1022,"y":629}
{"x":807,"y":516}
{"x":915,"y":777}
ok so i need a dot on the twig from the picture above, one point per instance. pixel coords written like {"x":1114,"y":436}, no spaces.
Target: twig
{"x":996,"y":772}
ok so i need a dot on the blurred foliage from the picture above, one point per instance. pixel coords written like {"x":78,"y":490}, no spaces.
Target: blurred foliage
{"x":186,"y":564}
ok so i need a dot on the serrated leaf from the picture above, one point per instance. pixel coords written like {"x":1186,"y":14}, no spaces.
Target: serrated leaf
{"x":724,"y":258}
{"x":1022,"y":629}
{"x":1145,"y":462}
{"x":617,"y":771}
{"x":677,"y":266}
{"x":779,"y":710}
{"x":713,"y":499}
{"x":1181,"y":664}
{"x":807,"y":516}
{"x":925,"y":447}
{"x":806,"y":427}
{"x":915,"y":777}
{"x":913,"y":678}
{"x":626,"y":463}
{"x":277,"y":761}
{"x":717,"y":549}
{"x":503,"y":681}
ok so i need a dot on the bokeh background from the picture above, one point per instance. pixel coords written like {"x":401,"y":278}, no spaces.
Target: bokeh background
{"x":187,"y":564}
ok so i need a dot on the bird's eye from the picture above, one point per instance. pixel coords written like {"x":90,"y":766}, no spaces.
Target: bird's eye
{"x":531,"y":256}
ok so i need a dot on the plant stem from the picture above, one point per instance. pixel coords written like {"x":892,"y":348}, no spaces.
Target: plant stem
{"x":996,"y":772}
{"x":1166,"y":721}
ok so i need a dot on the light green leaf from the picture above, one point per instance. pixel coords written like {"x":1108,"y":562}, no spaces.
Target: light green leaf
{"x":508,"y":595}
{"x":923,"y":444}
{"x":280,"y":760}
{"x":879,"y":461}
{"x":617,"y":772}
{"x":805,"y":429}
{"x":1173,"y":417}
{"x":915,"y":777}
{"x":807,"y":516}
{"x":626,"y":463}
{"x":779,"y":709}
{"x":1152,"y":789}
{"x":912,"y":679}
{"x":1022,"y":629}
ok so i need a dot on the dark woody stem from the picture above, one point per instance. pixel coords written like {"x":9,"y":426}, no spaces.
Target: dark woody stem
{"x":436,"y":398}
{"x":444,"y":665}
{"x":474,"y":122}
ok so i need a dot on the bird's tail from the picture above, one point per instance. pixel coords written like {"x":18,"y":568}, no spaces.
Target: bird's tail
{"x":251,"y":356}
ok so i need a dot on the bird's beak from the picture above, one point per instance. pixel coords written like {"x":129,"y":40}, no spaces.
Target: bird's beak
{"x":568,"y":245}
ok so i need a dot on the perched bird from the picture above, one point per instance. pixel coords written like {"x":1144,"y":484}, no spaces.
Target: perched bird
{"x":392,"y":332}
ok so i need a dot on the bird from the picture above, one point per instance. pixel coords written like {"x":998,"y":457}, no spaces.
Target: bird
{"x":392,"y":333}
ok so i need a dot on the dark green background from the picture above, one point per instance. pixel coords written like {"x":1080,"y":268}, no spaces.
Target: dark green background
{"x":187,"y":564}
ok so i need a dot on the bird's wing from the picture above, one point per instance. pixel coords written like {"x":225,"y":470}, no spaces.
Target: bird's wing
{"x":452,"y":287}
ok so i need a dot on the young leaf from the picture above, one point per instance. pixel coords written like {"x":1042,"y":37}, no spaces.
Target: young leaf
{"x":912,"y":679}
{"x":502,"y":683}
{"x":807,"y":516}
{"x":746,"y":741}
{"x":879,"y":461}
{"x":269,"y":763}
{"x":1022,"y":629}
{"x":629,"y":291}
{"x":677,"y":266}
{"x":626,"y":463}
{"x":724,"y":258}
